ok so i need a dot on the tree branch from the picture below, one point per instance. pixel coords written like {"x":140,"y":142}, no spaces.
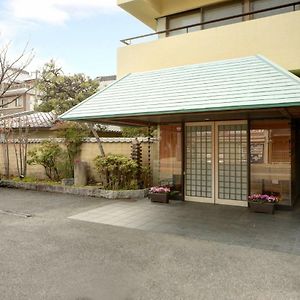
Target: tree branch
{"x":10,"y":71}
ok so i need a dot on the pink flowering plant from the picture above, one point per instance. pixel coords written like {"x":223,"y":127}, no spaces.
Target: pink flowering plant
{"x":263,"y":198}
{"x":160,"y":190}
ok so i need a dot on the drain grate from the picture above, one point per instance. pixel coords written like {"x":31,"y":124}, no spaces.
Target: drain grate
{"x":13,"y":213}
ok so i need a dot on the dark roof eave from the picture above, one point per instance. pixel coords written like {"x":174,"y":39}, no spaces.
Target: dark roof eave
{"x":206,"y":110}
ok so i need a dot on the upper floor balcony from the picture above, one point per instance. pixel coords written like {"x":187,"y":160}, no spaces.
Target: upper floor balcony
{"x":228,"y":29}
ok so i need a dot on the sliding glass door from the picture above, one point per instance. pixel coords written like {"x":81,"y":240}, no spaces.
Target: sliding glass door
{"x":216,"y":169}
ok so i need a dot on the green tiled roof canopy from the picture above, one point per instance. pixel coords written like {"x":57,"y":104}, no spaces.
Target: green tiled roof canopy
{"x":246,"y":83}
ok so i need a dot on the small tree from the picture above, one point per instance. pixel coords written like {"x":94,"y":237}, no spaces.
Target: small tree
{"x":60,"y":92}
{"x":73,"y":135}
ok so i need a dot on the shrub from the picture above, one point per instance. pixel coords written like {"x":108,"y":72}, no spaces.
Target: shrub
{"x":50,"y":156}
{"x":117,"y":171}
{"x":146,"y":176}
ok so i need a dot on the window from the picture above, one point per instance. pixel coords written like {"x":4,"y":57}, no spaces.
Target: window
{"x":204,"y":14}
{"x":170,"y":155}
{"x":184,"y":19}
{"x":270,"y":158}
{"x":222,"y":11}
{"x":4,"y":104}
{"x":18,"y":102}
{"x":262,"y":4}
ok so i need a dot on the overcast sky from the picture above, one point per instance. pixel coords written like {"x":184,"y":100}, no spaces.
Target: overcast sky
{"x":81,"y":35}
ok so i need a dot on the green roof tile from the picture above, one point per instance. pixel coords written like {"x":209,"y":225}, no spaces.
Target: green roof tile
{"x":245,"y":83}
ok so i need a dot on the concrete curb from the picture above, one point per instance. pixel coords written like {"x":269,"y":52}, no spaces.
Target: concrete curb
{"x":81,"y":191}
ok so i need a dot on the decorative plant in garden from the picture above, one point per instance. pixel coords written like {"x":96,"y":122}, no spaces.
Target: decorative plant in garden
{"x":263,"y":202}
{"x":160,"y":190}
{"x":159,"y":194}
{"x":263,"y":198}
{"x":117,"y":172}
{"x":51,"y":156}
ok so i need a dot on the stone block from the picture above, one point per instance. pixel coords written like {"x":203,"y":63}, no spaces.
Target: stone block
{"x":80,"y":173}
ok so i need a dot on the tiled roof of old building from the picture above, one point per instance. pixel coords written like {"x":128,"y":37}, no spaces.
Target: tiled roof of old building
{"x":33,"y":119}
{"x":29,"y":119}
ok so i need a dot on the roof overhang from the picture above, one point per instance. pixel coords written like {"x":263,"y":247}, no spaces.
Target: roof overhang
{"x":145,"y":11}
{"x":231,"y":89}
{"x":250,"y":114}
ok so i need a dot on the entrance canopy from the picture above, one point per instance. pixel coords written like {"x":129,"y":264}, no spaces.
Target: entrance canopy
{"x":184,"y":93}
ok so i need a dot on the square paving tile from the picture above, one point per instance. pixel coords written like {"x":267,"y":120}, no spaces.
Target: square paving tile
{"x":226,"y":224}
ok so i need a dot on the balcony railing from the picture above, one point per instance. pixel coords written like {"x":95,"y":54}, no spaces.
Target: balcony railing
{"x":293,"y":5}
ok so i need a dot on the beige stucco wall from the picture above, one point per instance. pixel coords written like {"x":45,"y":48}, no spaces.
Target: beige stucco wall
{"x":42,"y":133}
{"x":33,"y":171}
{"x":89,"y":151}
{"x":276,"y":37}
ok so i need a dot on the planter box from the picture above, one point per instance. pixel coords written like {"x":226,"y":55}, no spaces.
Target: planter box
{"x":159,"y":197}
{"x":262,"y":207}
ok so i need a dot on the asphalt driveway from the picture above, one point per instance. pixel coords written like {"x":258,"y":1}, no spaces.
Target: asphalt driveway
{"x":50,"y":256}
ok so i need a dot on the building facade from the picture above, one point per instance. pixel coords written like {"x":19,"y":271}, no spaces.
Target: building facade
{"x":21,"y":96}
{"x":272,"y":33}
{"x":220,"y":79}
{"x":105,"y":81}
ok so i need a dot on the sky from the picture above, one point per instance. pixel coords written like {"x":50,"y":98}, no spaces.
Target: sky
{"x":82,"y":36}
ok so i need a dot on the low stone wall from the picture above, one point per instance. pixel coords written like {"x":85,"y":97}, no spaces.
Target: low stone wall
{"x":81,"y":191}
{"x":123,"y":194}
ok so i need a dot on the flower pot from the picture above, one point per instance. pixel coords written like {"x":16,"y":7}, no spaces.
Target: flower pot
{"x":159,"y":197}
{"x":262,"y":207}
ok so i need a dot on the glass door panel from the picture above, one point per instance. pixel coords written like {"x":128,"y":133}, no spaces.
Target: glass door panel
{"x":199,"y":162}
{"x":217,"y":162}
{"x":232,"y":161}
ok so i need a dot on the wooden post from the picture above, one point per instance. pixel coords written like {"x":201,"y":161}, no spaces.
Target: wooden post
{"x":91,"y":126}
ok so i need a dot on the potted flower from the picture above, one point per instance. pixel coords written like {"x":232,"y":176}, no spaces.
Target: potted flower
{"x":263,"y":203}
{"x":159,"y":194}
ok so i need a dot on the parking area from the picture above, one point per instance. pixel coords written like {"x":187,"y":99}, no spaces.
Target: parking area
{"x":78,"y":248}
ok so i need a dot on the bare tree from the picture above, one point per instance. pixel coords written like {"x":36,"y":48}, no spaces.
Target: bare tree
{"x":14,"y":131}
{"x":11,"y":69}
{"x":20,"y":142}
{"x":5,"y":135}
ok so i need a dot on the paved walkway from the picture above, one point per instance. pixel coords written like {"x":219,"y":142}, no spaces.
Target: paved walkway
{"x":50,"y":256}
{"x":226,"y":224}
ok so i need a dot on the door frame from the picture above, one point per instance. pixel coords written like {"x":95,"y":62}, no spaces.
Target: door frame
{"x":214,"y":165}
{"x":202,"y":199}
{"x":216,"y":170}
